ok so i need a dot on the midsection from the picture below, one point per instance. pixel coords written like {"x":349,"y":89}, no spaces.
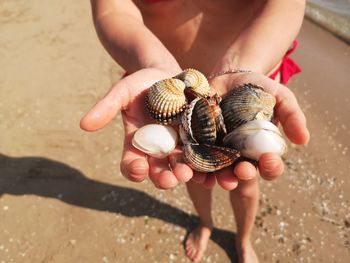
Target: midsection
{"x":197,"y":32}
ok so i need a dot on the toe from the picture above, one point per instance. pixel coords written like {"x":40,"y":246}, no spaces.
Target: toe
{"x":191,"y":253}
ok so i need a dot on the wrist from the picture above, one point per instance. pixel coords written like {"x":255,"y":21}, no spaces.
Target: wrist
{"x":237,"y":61}
{"x":169,"y":66}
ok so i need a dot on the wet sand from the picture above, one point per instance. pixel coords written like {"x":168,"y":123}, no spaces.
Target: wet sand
{"x":63,"y":199}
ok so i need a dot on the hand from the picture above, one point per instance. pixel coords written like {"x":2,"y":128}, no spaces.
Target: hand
{"x":287,"y":112}
{"x":127,"y":96}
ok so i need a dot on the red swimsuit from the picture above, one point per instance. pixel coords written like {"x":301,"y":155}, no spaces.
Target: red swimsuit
{"x":288,"y":67}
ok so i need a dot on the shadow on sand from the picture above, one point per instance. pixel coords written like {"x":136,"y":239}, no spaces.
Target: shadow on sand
{"x":52,"y":179}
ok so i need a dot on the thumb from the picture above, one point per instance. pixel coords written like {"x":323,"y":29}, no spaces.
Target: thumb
{"x":105,"y":109}
{"x":118,"y":98}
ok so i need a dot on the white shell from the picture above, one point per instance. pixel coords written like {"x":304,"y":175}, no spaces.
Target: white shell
{"x":255,"y":138}
{"x":155,"y":140}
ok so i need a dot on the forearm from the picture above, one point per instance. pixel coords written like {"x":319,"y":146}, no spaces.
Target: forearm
{"x":266,"y":38}
{"x":121,"y":30}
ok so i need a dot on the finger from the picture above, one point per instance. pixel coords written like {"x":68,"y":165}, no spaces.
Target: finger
{"x":107,"y":108}
{"x":199,"y":178}
{"x":209,"y":182}
{"x":133,"y":165}
{"x":270,"y":166}
{"x":124,"y":92}
{"x":245,"y":170}
{"x":227,"y":179}
{"x":180,"y":169}
{"x":291,"y":117}
{"x":160,"y":173}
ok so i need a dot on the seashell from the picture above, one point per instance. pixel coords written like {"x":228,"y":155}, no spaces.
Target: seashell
{"x":155,"y":140}
{"x":255,"y":138}
{"x":203,"y":121}
{"x":246,"y":103}
{"x":165,"y":100}
{"x":208,"y":158}
{"x":195,"y":80}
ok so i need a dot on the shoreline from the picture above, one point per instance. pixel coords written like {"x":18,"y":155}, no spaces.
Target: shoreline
{"x":334,"y":23}
{"x":63,"y":199}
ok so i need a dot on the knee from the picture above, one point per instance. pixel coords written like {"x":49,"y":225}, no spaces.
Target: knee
{"x":246,"y":190}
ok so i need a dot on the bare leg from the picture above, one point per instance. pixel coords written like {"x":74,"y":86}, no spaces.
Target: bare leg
{"x":197,"y":240}
{"x":244,"y":201}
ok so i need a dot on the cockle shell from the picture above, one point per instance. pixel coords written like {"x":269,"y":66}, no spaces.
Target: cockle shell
{"x":255,"y":138}
{"x":155,"y":140}
{"x":246,"y":103}
{"x":208,"y":158}
{"x":165,"y":100}
{"x":195,"y":80}
{"x":203,"y":121}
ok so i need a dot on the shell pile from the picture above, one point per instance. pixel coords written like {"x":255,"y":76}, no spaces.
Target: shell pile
{"x":214,"y":132}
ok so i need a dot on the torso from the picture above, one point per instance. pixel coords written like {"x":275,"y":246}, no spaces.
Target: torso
{"x":197,"y":32}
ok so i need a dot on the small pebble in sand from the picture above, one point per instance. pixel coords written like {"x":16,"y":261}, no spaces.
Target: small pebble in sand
{"x":6,"y":208}
{"x":172,"y":257}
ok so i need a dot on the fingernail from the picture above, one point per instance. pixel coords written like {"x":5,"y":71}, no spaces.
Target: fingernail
{"x":138,"y":167}
{"x":271,"y":164}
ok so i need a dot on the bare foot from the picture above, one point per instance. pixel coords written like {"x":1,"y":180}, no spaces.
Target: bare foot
{"x":246,"y":253}
{"x":197,"y":242}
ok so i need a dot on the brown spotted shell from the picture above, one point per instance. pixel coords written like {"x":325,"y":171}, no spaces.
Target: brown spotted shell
{"x":203,"y":121}
{"x":208,"y":158}
{"x":195,"y":80}
{"x":246,"y":103}
{"x":165,"y":100}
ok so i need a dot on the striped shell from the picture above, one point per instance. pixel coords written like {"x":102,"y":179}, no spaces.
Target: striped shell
{"x":208,"y":158}
{"x":202,"y":120}
{"x":246,"y":103}
{"x":166,"y":100}
{"x":195,"y":80}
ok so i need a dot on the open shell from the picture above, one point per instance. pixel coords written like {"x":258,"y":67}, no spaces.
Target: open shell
{"x":195,"y":80}
{"x":155,"y":140}
{"x":208,"y":158}
{"x":203,"y":121}
{"x":255,"y":138}
{"x":246,"y":103}
{"x":165,"y":100}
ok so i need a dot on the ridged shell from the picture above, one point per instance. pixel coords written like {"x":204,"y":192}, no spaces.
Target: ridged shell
{"x":166,"y":100}
{"x":203,"y":121}
{"x":246,"y":103}
{"x":256,"y":138}
{"x":208,"y":158}
{"x":195,"y":80}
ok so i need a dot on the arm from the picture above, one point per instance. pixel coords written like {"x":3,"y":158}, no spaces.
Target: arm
{"x":121,"y":31}
{"x":120,"y":28}
{"x":259,"y":48}
{"x":266,"y":37}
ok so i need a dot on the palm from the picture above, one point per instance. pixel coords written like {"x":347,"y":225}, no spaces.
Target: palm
{"x":127,"y":96}
{"x":287,"y":112}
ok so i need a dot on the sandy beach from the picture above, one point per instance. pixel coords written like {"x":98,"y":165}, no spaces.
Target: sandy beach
{"x":63,"y":198}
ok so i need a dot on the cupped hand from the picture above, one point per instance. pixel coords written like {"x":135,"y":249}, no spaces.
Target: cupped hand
{"x":287,"y":113}
{"x":127,"y":96}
